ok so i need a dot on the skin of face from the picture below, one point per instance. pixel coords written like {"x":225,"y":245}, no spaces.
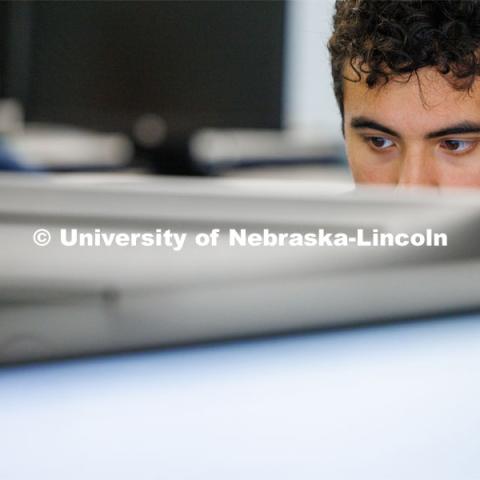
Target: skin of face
{"x":413,"y":130}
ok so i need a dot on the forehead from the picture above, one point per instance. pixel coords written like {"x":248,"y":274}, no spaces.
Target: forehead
{"x":412,"y":105}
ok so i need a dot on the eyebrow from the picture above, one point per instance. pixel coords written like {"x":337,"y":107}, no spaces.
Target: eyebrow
{"x":457,"y":129}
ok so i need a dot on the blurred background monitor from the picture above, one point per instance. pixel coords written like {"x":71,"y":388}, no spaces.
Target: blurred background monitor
{"x":103,"y":65}
{"x":162,"y":71}
{"x":196,"y":63}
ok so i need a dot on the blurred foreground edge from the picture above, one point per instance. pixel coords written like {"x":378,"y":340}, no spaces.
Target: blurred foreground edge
{"x":58,"y":301}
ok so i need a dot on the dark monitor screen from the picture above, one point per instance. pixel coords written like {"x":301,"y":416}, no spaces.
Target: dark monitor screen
{"x":104,"y":64}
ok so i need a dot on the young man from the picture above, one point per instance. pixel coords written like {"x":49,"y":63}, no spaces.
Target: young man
{"x":406,"y":76}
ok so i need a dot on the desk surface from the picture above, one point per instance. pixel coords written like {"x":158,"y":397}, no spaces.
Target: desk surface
{"x":391,"y":402}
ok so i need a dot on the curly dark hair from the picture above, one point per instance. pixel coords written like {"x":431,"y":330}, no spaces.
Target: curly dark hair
{"x":383,"y":39}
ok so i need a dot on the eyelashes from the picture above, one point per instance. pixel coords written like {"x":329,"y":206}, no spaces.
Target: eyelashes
{"x":458,"y":146}
{"x":451,"y":146}
{"x":380,"y":143}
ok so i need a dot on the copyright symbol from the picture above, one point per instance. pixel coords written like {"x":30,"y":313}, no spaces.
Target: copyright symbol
{"x":41,"y":237}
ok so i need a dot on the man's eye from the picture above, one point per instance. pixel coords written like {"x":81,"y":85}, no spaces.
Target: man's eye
{"x":380,"y":143}
{"x":457,"y":146}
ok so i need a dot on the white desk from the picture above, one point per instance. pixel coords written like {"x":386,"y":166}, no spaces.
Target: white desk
{"x":390,"y":402}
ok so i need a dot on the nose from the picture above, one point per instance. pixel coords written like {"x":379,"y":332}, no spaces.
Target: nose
{"x":417,"y":169}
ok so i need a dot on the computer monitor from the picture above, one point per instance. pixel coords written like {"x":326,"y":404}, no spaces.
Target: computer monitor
{"x":72,"y":298}
{"x":104,"y":65}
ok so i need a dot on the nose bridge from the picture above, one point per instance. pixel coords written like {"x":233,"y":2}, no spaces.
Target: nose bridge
{"x":417,"y":168}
